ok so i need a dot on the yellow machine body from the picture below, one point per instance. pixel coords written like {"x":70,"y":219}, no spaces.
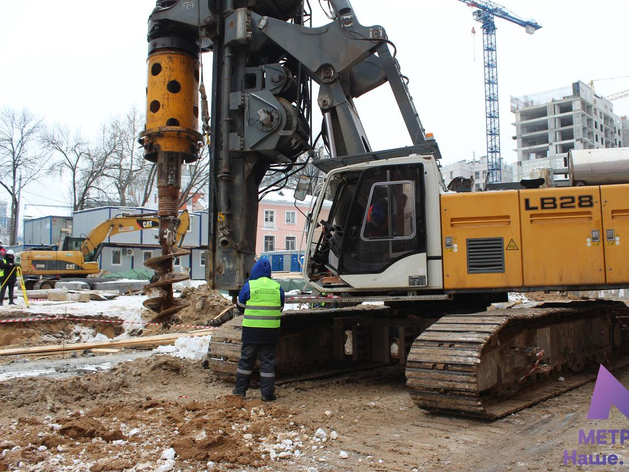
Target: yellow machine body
{"x":556,"y":238}
{"x":61,"y":263}
{"x":66,"y":263}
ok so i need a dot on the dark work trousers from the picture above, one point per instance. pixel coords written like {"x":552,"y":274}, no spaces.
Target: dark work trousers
{"x":248,"y":356}
{"x":11,"y":285}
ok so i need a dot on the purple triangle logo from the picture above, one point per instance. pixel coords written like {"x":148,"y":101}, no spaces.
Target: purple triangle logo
{"x":608,"y":392}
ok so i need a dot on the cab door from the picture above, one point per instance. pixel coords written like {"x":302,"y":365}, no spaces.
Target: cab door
{"x":384,"y":235}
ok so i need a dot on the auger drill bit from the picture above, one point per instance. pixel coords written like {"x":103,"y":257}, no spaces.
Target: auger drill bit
{"x":165,"y":304}
{"x":170,"y":139}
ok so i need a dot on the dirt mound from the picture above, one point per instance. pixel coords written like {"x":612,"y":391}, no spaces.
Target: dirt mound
{"x":52,"y":332}
{"x":149,"y":375}
{"x":205,"y":304}
{"x":117,"y":435}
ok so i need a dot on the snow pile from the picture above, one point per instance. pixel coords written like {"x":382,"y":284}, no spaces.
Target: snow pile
{"x":194,"y":348}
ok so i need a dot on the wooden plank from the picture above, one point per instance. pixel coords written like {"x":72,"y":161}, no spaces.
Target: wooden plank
{"x":223,"y":367}
{"x":157,"y":340}
{"x":229,"y":351}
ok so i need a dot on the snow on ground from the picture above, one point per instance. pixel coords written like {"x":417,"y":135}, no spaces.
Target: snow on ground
{"x":187,"y":348}
{"x":125,"y":307}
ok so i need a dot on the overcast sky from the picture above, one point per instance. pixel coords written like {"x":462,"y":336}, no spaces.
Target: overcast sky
{"x":80,"y":62}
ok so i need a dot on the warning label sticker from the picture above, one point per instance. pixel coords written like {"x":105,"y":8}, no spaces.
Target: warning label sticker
{"x":512,"y":246}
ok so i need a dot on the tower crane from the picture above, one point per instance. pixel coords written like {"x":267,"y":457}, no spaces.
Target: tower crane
{"x":487,"y":11}
{"x":613,"y":96}
{"x":618,"y":95}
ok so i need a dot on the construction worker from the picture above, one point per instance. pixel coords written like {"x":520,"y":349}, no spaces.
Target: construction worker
{"x":3,"y":251}
{"x":261,"y":300}
{"x":8,"y":276}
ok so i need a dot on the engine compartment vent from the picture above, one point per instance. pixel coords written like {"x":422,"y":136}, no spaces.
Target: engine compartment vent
{"x":485,"y":256}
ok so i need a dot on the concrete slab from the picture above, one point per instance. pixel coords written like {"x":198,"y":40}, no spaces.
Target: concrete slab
{"x":123,"y":286}
{"x":79,"y":297}
{"x":58,"y":295}
{"x":74,"y":285}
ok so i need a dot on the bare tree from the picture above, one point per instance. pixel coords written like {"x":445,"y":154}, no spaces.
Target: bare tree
{"x":85,"y":164}
{"x":70,"y":152}
{"x":20,"y":157}
{"x":146,"y":180}
{"x":197,"y":178}
{"x":129,"y":170}
{"x":95,"y":169}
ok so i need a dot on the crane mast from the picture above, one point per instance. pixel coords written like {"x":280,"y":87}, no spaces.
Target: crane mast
{"x":485,"y":14}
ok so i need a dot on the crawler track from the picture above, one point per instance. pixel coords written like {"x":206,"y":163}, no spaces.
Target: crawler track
{"x":306,"y":343}
{"x":497,"y":362}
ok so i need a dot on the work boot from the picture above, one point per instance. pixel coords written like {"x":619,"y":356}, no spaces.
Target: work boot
{"x":267,"y":388}
{"x":242,"y":384}
{"x":11,"y":303}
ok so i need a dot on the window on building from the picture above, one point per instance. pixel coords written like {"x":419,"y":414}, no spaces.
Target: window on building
{"x":269,"y":243}
{"x":116,"y":257}
{"x":291,"y":243}
{"x":596,"y":138}
{"x":477,"y":187}
{"x":291,"y":217}
{"x":177,"y":262}
{"x":269,"y":218}
{"x":477,"y":175}
{"x":147,"y":255}
{"x":202,"y":257}
{"x":596,"y":125}
{"x":484,"y":174}
{"x":451,"y":175}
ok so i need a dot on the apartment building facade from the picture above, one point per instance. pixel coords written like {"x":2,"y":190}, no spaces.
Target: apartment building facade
{"x":475,"y":169}
{"x":550,"y":124}
{"x":282,"y":223}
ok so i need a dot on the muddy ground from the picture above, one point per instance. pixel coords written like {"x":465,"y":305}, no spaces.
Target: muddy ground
{"x":129,"y":418}
{"x":204,"y":304}
{"x":160,"y":413}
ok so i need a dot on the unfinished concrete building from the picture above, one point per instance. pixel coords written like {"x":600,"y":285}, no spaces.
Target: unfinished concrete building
{"x":475,"y":169}
{"x":549,"y":124}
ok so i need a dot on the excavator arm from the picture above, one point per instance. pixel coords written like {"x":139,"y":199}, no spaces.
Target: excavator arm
{"x":127,"y":224}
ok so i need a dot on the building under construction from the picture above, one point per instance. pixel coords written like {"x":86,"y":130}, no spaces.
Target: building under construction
{"x":549,"y":124}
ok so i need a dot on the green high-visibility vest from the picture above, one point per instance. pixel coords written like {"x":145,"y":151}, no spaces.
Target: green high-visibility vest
{"x":264,"y":307}
{"x":4,"y":261}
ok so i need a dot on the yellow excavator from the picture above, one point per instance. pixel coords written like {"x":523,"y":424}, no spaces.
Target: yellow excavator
{"x":78,"y":257}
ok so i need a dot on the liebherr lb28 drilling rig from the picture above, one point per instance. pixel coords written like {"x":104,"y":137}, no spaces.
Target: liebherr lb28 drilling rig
{"x":436,"y":260}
